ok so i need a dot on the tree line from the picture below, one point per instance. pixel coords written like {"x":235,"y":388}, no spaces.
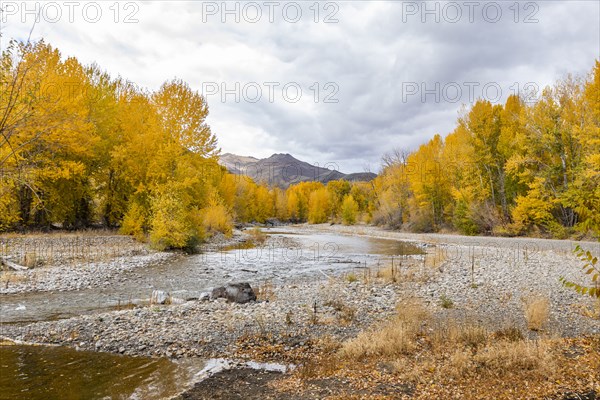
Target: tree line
{"x":517,"y":168}
{"x":79,"y":148}
{"x":513,"y":168}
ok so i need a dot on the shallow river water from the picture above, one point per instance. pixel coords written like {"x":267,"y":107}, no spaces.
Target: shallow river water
{"x":46,"y":372}
{"x":287,"y":255}
{"x":41,"y":372}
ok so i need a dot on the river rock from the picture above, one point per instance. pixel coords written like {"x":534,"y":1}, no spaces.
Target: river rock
{"x":159,"y":297}
{"x":235,"y":292}
{"x":204,"y":296}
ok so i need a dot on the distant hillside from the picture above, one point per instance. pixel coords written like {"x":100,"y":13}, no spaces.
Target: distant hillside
{"x":284,"y":170}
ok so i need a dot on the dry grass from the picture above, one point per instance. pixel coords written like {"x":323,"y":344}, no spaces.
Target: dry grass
{"x":8,"y":277}
{"x":515,"y":357}
{"x":511,"y":334}
{"x":61,"y":234}
{"x":453,"y":333}
{"x":536,"y":312}
{"x":422,"y":356}
{"x":345,"y":313}
{"x":437,"y":258}
{"x":31,"y":260}
{"x":397,"y":336}
{"x":64,"y":248}
{"x":265,"y":291}
{"x":388,"y":274}
{"x":501,"y":358}
{"x":399,"y":273}
{"x":417,"y":346}
{"x":459,"y":364}
{"x":503,"y":369}
{"x":257,"y":236}
{"x":393,"y":339}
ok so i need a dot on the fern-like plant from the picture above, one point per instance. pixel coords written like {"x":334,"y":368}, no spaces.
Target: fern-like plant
{"x":590,"y":268}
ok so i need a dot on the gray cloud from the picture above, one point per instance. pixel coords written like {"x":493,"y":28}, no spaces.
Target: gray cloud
{"x":371,"y":54}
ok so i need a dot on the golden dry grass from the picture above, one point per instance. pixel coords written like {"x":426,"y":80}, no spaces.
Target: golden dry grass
{"x":257,"y":236}
{"x":8,"y":277}
{"x":351,"y":277}
{"x":31,"y":260}
{"x":536,"y":310}
{"x":395,"y":337}
{"x":68,"y":248}
{"x":417,"y":345}
{"x":265,"y":291}
{"x":421,"y":356}
{"x":515,"y":356}
{"x":398,"y":274}
{"x":345,"y":313}
{"x":436,"y":258}
{"x":452,"y":333}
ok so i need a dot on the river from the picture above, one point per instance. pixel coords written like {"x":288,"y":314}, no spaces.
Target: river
{"x":40,"y":372}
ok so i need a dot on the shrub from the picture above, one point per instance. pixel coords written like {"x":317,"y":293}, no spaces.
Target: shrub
{"x":462,"y":220}
{"x":351,"y":277}
{"x":257,"y":236}
{"x":446,"y":302}
{"x":135,"y":221}
{"x":397,"y":336}
{"x":536,"y":312}
{"x":349,"y":210}
{"x":216,"y":218}
{"x":590,"y":268}
{"x":170,"y":227}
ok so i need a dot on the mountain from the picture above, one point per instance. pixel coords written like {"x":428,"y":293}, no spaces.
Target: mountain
{"x":284,"y":170}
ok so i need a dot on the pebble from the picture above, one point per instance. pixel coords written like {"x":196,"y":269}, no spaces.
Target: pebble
{"x":503,"y":282}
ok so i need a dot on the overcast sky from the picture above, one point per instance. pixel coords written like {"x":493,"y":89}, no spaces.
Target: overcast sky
{"x":329,"y":82}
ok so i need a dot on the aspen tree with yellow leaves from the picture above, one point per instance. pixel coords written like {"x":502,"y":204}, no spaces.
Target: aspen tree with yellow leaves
{"x":80,"y":149}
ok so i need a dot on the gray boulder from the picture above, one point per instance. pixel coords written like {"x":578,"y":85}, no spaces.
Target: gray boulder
{"x":234,"y":292}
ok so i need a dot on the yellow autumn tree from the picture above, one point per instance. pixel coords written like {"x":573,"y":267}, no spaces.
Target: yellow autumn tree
{"x":349,"y":210}
{"x":318,"y":206}
{"x":430,"y":186}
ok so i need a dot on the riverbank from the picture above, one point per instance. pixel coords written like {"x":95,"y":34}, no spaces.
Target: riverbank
{"x":290,"y":316}
{"x":499,"y":287}
{"x":62,"y":262}
{"x":68,"y":262}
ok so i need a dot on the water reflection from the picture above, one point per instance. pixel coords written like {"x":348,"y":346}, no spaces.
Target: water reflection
{"x":39,"y":372}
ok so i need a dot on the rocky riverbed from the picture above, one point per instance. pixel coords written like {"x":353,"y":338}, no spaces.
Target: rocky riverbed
{"x":64,"y":263}
{"x":291,"y":316}
{"x":58,"y":263}
{"x":482,"y":282}
{"x":485,"y":280}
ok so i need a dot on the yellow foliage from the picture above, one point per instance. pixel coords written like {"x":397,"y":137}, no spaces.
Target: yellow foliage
{"x":134,"y":222}
{"x":216,"y":218}
{"x":170,"y":228}
{"x":532,"y":209}
{"x":280,"y":209}
{"x":349,"y":210}
{"x":79,"y":148}
{"x":318,"y":206}
{"x":8,"y":206}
